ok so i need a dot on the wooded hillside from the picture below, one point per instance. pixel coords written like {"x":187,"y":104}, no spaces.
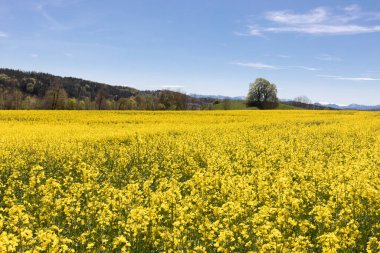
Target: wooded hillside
{"x":33,"y":90}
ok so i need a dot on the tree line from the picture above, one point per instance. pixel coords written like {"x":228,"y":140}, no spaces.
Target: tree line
{"x":32,"y":90}
{"x":56,"y":98}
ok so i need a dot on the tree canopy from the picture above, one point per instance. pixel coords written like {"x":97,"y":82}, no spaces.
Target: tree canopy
{"x":303,"y":99}
{"x":262,"y":94}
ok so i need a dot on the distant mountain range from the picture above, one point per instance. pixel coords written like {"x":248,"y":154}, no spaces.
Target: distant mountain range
{"x":352,"y":107}
{"x":302,"y":105}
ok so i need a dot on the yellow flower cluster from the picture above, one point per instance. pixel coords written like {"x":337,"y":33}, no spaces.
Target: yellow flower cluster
{"x":210,"y":181}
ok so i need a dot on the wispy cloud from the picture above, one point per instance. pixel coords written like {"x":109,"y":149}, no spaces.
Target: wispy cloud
{"x":327,"y":57}
{"x":47,"y":8}
{"x":322,"y":29}
{"x":362,"y":78}
{"x":319,"y":21}
{"x":259,"y":65}
{"x":317,"y":15}
{"x":3,"y":35}
{"x":34,"y":55}
{"x":53,"y":23}
{"x":302,"y":67}
{"x":255,"y":65}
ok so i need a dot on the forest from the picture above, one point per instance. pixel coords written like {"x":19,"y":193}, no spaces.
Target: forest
{"x":34,"y":90}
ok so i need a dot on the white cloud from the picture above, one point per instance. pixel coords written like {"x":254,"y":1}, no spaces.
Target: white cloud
{"x":319,"y":21}
{"x":254,"y":31}
{"x":259,"y":65}
{"x":363,"y":78}
{"x":303,"y":67}
{"x":320,"y":29}
{"x":358,"y":78}
{"x":255,"y":65}
{"x":327,"y":57}
{"x":317,"y":15}
{"x":3,"y":35}
{"x":34,"y":55}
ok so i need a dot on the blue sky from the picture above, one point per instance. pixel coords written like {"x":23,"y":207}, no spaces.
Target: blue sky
{"x":326,"y":50}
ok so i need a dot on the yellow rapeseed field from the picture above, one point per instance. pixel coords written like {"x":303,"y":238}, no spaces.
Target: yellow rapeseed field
{"x":210,"y":181}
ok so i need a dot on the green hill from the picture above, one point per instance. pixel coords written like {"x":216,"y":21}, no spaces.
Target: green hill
{"x":241,"y":105}
{"x":37,"y":84}
{"x":34,"y":90}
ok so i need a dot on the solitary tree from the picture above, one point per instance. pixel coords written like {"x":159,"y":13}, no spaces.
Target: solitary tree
{"x":303,"y":99}
{"x":262,"y":94}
